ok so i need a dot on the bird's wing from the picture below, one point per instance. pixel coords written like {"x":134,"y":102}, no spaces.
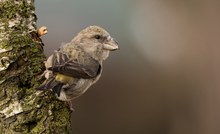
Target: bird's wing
{"x":75,"y":67}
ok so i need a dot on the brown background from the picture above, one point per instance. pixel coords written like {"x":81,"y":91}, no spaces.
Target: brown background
{"x":165,"y":77}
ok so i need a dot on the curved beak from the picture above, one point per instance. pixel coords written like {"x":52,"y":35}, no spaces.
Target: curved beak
{"x":111,"y":44}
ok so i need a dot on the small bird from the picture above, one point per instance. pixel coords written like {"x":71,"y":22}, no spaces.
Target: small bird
{"x":77,"y":65}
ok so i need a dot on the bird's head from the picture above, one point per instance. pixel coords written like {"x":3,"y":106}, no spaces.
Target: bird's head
{"x":96,"y":41}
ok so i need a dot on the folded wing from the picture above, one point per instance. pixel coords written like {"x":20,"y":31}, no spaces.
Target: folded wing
{"x":79,"y":67}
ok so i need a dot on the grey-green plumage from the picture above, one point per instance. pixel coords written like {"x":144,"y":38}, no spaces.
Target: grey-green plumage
{"x":73,"y":68}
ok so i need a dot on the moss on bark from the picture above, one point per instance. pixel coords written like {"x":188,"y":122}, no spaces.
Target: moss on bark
{"x":22,"y":108}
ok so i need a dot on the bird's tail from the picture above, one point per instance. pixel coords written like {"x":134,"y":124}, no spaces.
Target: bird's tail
{"x":51,"y":83}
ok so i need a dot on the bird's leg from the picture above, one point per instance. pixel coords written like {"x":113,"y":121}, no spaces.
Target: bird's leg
{"x":41,"y":77}
{"x":70,"y":105}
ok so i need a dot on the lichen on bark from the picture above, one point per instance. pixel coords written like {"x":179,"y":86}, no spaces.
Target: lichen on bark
{"x":22,"y":108}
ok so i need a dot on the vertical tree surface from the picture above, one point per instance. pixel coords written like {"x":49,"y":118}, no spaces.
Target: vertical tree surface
{"x":22,"y":108}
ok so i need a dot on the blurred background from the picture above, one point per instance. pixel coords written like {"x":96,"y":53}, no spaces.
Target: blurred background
{"x":165,"y":77}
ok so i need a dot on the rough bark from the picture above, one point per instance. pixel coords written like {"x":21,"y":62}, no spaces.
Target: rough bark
{"x":22,"y":108}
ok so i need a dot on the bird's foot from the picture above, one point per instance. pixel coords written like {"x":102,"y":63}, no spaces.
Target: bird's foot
{"x":70,"y":105}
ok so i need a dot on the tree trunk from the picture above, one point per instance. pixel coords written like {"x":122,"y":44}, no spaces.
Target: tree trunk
{"x":22,"y":108}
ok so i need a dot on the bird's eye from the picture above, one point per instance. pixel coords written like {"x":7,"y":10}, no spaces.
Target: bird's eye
{"x":97,"y":37}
